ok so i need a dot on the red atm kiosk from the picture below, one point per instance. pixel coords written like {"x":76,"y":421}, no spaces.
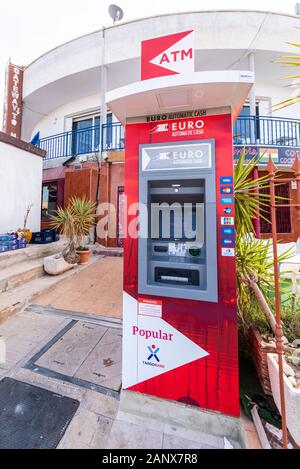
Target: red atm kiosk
{"x":180,"y":316}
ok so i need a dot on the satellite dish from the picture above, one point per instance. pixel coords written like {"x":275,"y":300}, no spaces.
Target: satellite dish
{"x":115,"y":12}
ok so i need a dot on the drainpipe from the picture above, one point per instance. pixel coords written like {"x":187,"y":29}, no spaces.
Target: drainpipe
{"x":252,"y":98}
{"x":103,"y":118}
{"x":103,"y":115}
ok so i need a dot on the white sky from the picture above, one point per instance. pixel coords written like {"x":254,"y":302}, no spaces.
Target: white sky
{"x":28,"y":28}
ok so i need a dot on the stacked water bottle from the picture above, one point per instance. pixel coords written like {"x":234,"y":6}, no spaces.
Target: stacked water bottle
{"x":11,"y":242}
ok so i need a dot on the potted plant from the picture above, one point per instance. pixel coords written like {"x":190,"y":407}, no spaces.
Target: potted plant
{"x":27,"y":234}
{"x":84,"y":216}
{"x":75,"y":222}
{"x":63,"y":220}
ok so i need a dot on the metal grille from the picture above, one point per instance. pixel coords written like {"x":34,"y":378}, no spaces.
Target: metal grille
{"x":283,"y":214}
{"x":31,"y":417}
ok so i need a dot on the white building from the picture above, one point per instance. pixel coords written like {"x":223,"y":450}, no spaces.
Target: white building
{"x":65,"y":89}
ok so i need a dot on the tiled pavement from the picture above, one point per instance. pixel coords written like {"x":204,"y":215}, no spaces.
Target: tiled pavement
{"x":96,"y":290}
{"x":89,"y":351}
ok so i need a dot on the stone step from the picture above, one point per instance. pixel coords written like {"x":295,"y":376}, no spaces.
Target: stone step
{"x":15,"y":275}
{"x":108,"y":252}
{"x":37,"y":251}
{"x":15,"y":300}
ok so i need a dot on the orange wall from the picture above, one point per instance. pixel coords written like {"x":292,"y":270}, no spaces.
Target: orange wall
{"x":80,"y":183}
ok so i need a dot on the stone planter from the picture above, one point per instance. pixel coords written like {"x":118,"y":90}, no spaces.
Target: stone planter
{"x":292,"y":398}
{"x":84,"y":256}
{"x":260,"y":351}
{"x":55,"y":265}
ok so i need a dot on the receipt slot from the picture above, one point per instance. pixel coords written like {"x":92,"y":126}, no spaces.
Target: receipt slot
{"x":179,"y":314}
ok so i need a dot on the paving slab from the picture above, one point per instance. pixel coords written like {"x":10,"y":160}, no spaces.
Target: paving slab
{"x":84,"y":429}
{"x":67,"y":355}
{"x":100,"y":404}
{"x":125,"y":435}
{"x":103,"y":366}
{"x":175,"y":442}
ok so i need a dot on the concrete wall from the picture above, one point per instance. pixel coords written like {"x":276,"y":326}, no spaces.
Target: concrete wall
{"x":21,"y":168}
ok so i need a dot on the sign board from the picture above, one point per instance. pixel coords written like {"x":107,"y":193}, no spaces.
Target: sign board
{"x":149,"y":307}
{"x":184,"y":156}
{"x":12,"y":115}
{"x":154,"y":346}
{"x":280,"y":155}
{"x":168,"y":55}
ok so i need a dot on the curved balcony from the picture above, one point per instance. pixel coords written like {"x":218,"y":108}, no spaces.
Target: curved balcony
{"x":257,"y":134}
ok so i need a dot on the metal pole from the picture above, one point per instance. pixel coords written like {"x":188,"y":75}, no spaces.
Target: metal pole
{"x":271,"y":168}
{"x":257,"y":218}
{"x":252,"y":100}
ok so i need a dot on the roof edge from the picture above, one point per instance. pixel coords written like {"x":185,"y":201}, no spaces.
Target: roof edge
{"x":105,"y":28}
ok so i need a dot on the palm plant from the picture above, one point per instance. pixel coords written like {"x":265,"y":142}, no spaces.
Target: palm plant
{"x":74,"y":222}
{"x":249,"y":201}
{"x":290,"y":61}
{"x":84,"y":217}
{"x":252,"y":255}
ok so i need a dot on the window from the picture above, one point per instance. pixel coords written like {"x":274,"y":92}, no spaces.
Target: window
{"x":86,"y":135}
{"x":49,"y":199}
{"x":283,"y":214}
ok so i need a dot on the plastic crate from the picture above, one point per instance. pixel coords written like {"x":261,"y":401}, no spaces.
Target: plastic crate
{"x":54,"y":232}
{"x":42,"y":237}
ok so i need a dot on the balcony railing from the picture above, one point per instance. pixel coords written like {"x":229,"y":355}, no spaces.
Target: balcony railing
{"x":266,"y":132}
{"x":84,"y":141}
{"x":261,"y":132}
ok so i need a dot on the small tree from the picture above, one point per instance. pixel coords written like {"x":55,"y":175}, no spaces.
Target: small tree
{"x":74,"y":222}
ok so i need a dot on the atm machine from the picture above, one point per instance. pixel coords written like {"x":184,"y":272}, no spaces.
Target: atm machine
{"x":177,"y":186}
{"x":180,"y":315}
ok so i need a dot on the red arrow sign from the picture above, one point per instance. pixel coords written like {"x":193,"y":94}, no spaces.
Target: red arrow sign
{"x":168,"y":55}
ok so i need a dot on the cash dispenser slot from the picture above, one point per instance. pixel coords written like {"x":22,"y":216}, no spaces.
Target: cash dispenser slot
{"x":173,"y":276}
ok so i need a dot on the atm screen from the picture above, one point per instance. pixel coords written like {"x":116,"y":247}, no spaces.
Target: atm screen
{"x":176,"y":210}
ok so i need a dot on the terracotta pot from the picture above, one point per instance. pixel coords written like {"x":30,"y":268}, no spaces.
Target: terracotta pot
{"x":84,"y":256}
{"x":27,"y":234}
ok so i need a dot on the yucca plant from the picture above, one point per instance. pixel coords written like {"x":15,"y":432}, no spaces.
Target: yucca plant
{"x":84,"y":215}
{"x":249,"y":201}
{"x":74,"y":222}
{"x":290,"y":61}
{"x":252,"y":255}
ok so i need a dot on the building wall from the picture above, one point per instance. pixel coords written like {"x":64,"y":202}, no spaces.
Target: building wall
{"x":21,"y":167}
{"x":71,"y":72}
{"x":83,"y":182}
